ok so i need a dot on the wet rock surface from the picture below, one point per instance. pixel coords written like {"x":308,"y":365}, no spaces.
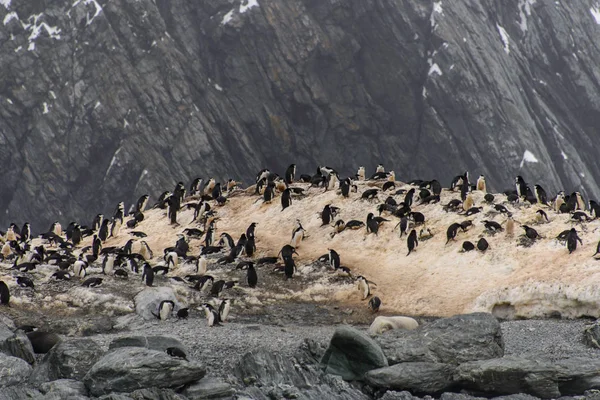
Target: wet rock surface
{"x":110,"y":100}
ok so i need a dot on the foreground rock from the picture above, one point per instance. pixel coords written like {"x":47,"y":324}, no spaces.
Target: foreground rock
{"x":15,"y":344}
{"x":64,"y":389}
{"x":509,"y":375}
{"x":418,"y":377}
{"x":351,"y":353}
{"x":591,"y":335}
{"x":131,"y":368}
{"x":159,"y":343}
{"x":69,"y":359}
{"x":451,"y":340}
{"x":13,"y":370}
{"x":269,"y":375}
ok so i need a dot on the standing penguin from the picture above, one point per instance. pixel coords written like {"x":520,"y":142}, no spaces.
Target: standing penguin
{"x":572,"y":239}
{"x":202,"y":265}
{"x":290,"y":174}
{"x":289,"y":267}
{"x":286,"y":199}
{"x":361,"y":173}
{"x":141,"y":203}
{"x":481,"y":184}
{"x":224,"y":310}
{"x":120,"y":212}
{"x":334,"y":259}
{"x":510,"y":225}
{"x":468,"y":202}
{"x":108,"y":264}
{"x":521,"y":186}
{"x":212,"y":316}
{"x":540,"y":195}
{"x":251,"y":276}
{"x":165,"y":309}
{"x":403,"y":226}
{"x":374,"y":304}
{"x":148,"y":274}
{"x":412,"y":241}
{"x":26,"y":232}
{"x":326,"y":215}
{"x":4,"y":294}
{"x":297,"y":236}
{"x":363,"y":286}
{"x":103,"y":232}
{"x":408,"y":198}
{"x":216,"y":192}
{"x":250,"y":246}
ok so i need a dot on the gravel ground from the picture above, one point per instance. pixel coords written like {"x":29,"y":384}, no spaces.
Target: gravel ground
{"x":221,"y":347}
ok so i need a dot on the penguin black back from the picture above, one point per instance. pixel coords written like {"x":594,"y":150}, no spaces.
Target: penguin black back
{"x":412,"y":241}
{"x":4,"y":294}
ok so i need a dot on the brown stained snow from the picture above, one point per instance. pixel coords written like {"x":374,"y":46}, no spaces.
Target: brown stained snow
{"x":434,"y":280}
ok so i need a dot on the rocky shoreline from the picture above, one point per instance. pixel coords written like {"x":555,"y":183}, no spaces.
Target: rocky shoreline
{"x":250,"y":358}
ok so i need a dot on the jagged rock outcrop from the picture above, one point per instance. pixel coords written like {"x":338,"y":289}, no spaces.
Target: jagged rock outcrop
{"x":104,"y":101}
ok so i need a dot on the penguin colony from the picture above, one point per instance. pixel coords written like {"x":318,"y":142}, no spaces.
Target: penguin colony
{"x":200,"y":245}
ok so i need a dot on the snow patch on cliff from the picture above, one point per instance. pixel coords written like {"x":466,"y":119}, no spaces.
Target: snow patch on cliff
{"x":505,"y":38}
{"x":437,"y":9}
{"x":596,"y":13}
{"x":249,"y":4}
{"x":528,"y":157}
{"x":435,"y":69}
{"x":5,"y":3}
{"x":524,"y":7}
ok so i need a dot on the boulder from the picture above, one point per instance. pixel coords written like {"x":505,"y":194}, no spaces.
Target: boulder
{"x":72,"y":358}
{"x":159,"y":343}
{"x":391,"y":395}
{"x":276,"y":376}
{"x":148,"y":300}
{"x":509,"y":375}
{"x":453,"y":340}
{"x":351,"y":353}
{"x":131,"y":368}
{"x":13,"y":370}
{"x":578,"y":374}
{"x":208,"y":388}
{"x":417,"y":377}
{"x":63,"y":388}
{"x":19,"y":393}
{"x":383,"y":324}
{"x":591,"y":335}
{"x":16,"y":344}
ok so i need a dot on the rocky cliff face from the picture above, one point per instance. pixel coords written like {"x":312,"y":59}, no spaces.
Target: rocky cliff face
{"x":105,"y":100}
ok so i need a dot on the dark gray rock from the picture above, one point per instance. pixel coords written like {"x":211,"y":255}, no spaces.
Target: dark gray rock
{"x":417,"y":377}
{"x":371,"y":77}
{"x":69,"y":359}
{"x":509,"y":375}
{"x":459,"y":396}
{"x":392,"y":395}
{"x":160,"y":343}
{"x":591,"y":335}
{"x":274,"y":375}
{"x":13,"y":370}
{"x":155,"y":394}
{"x":19,"y":393}
{"x":63,"y":388}
{"x":351,"y":353}
{"x":451,"y":340}
{"x":16,"y":344}
{"x":578,"y":374}
{"x":132,"y":368}
{"x":208,"y":388}
{"x":72,"y":358}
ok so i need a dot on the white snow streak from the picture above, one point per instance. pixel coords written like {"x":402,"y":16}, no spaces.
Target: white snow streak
{"x":45,"y":111}
{"x":51,"y":92}
{"x":219,"y":88}
{"x":249,"y":5}
{"x":564,"y":156}
{"x":504,"y":37}
{"x":113,"y":161}
{"x":227,"y":17}
{"x":435,"y":69}
{"x":528,"y":157}
{"x":9,"y":101}
{"x":10,"y":16}
{"x":524,"y":12}
{"x":437,"y":8}
{"x":5,"y":3}
{"x":596,"y":13}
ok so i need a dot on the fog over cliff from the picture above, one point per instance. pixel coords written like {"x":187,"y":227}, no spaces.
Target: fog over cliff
{"x":102,"y":101}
